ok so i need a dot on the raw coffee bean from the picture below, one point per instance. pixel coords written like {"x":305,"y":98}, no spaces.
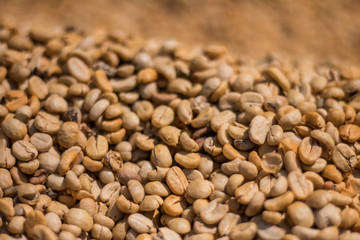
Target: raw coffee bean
{"x":344,"y":157}
{"x":258,"y":129}
{"x":78,"y":69}
{"x":14,"y":129}
{"x":108,"y":136}
{"x":176,"y":180}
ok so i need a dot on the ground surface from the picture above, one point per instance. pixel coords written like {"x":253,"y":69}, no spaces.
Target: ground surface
{"x":327,"y":30}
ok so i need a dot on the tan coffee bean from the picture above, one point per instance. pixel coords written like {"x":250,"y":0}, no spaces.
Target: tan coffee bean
{"x":102,"y":82}
{"x":244,"y":231}
{"x":349,"y":132}
{"x":101,"y":232}
{"x":143,"y":142}
{"x":56,"y":182}
{"x":19,"y":71}
{"x":56,"y":104}
{"x":279,"y":203}
{"x":221,"y":118}
{"x":140,"y":223}
{"x":246,"y":192}
{"x":24,"y":151}
{"x":72,"y":181}
{"x":234,"y":182}
{"x":280,"y":78}
{"x":332,"y":173}
{"x":127,"y":172}
{"x":166,"y":233}
{"x":170,"y":135}
{"x":162,"y":116}
{"x":324,"y":138}
{"x":300,"y":186}
{"x":28,"y":193}
{"x":67,"y":161}
{"x":16,"y":225}
{"x":315,"y":178}
{"x":7,"y":160}
{"x":176,"y":180}
{"x":160,"y":156}
{"x":49,"y":161}
{"x":267,"y":231}
{"x":275,"y":135}
{"x":271,"y":162}
{"x":37,"y":87}
{"x":78,"y":69}
{"x":247,"y":169}
{"x":271,"y":217}
{"x":116,"y":137}
{"x":290,"y":119}
{"x":147,"y":75}
{"x":184,"y":112}
{"x":349,"y":217}
{"x":187,"y":143}
{"x":187,"y":160}
{"x":230,"y":101}
{"x":179,"y":225}
{"x":127,"y":84}
{"x":6,"y":180}
{"x":41,"y":141}
{"x":344,"y":157}
{"x":258,"y":129}
{"x":151,"y":203}
{"x":309,"y":151}
{"x":317,"y":167}
{"x":248,"y":99}
{"x":328,"y":233}
{"x":144,"y":110}
{"x":339,"y":199}
{"x":179,"y":85}
{"x":78,"y":90}
{"x":304,"y":232}
{"x":97,"y":147}
{"x":300,"y":214}
{"x":43,"y":232}
{"x":91,"y":97}
{"x":130,"y":121}
{"x":157,"y":188}
{"x":136,"y":190}
{"x":53,"y":222}
{"x":314,"y":120}
{"x":14,"y":129}
{"x":227,"y":222}
{"x":126,"y":206}
{"x":47,"y":123}
{"x":199,"y":189}
{"x":203,"y":118}
{"x":98,"y":109}
{"x":92,"y":165}
{"x":327,"y":216}
{"x":59,"y":89}
{"x":29,"y":167}
{"x":231,"y":167}
{"x":255,"y":204}
{"x":80,"y":218}
{"x":213,"y":212}
{"x":67,"y":135}
{"x":104,"y":221}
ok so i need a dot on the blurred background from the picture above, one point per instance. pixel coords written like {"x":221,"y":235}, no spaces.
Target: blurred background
{"x":324,"y":31}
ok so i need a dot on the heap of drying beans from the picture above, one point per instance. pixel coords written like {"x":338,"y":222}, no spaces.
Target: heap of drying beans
{"x":108,"y":136}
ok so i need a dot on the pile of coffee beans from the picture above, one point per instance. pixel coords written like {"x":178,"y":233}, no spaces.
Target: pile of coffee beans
{"x":107,"y":136}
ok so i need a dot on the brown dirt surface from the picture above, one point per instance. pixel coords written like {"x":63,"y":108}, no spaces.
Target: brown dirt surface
{"x":324,"y":31}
